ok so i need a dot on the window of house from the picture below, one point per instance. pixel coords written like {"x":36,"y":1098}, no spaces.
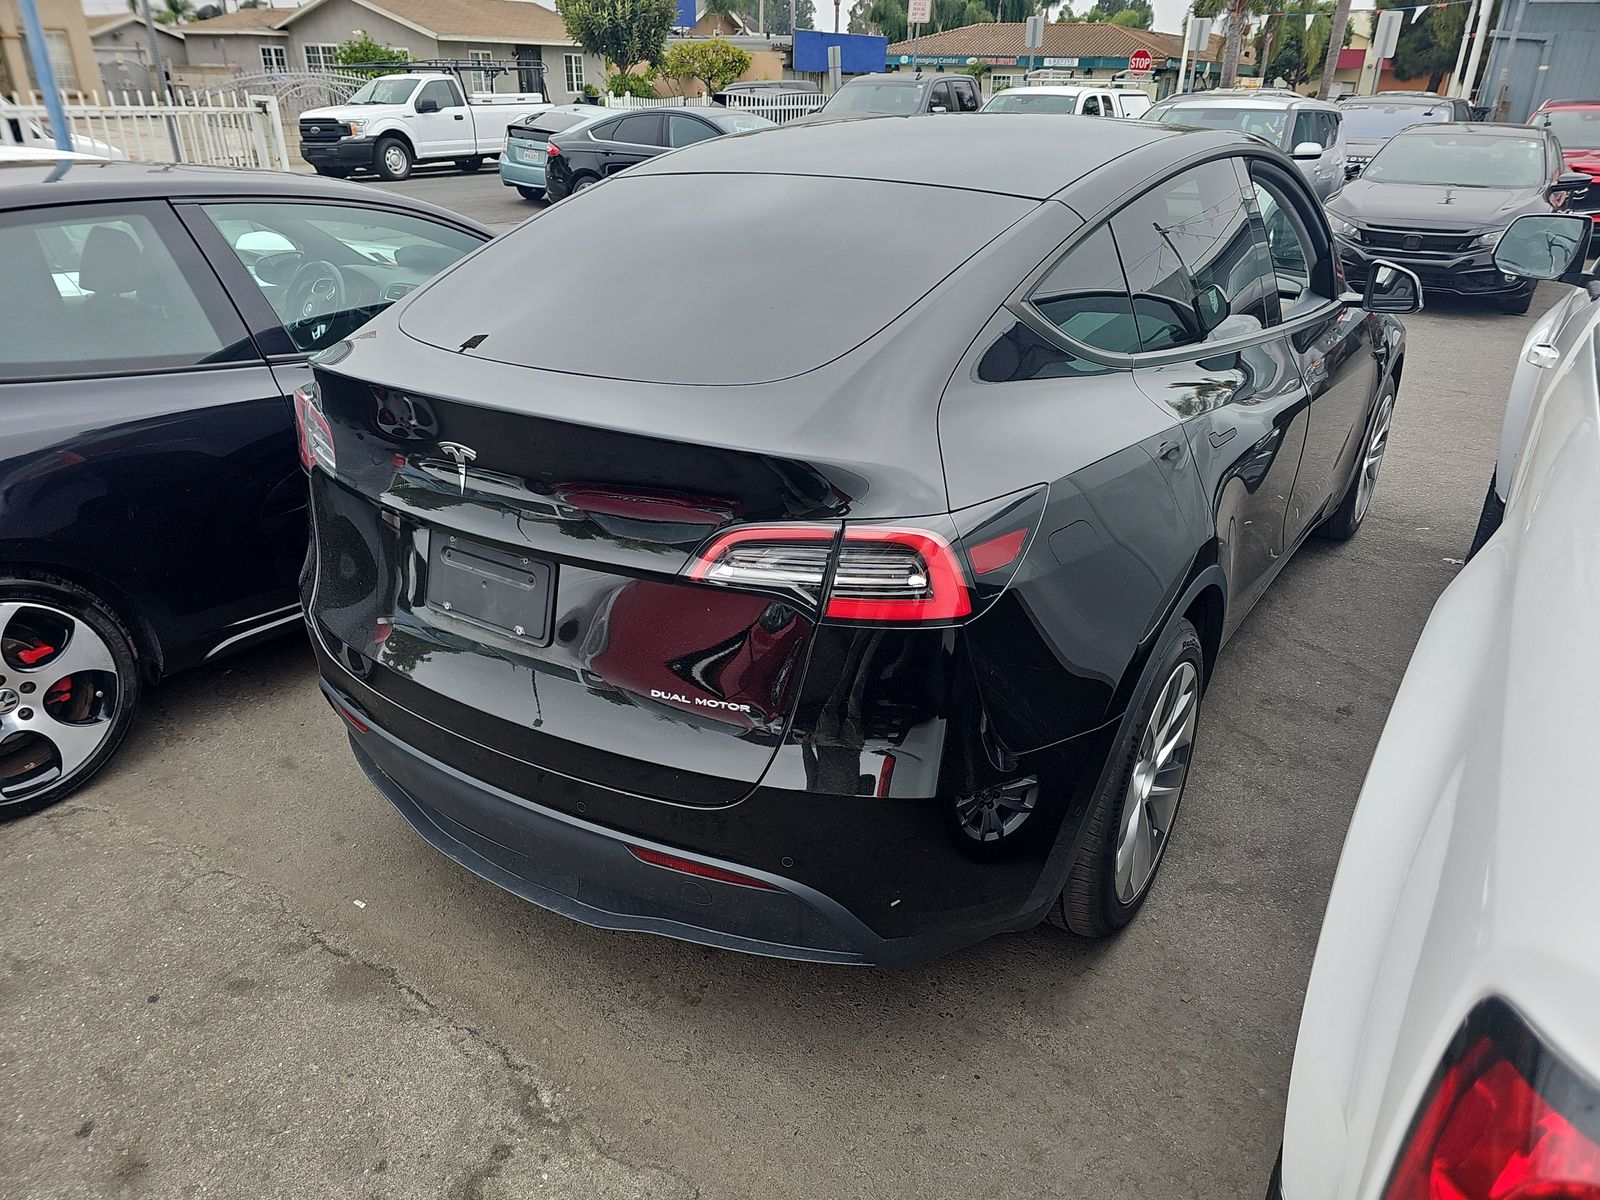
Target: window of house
{"x":574,"y":73}
{"x":321,"y":56}
{"x":61,"y":64}
{"x":97,"y":290}
{"x":274,"y":58}
{"x":1085,"y":295}
{"x":478,"y":81}
{"x":1182,"y":238}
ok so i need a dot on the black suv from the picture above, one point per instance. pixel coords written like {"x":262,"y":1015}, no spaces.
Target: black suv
{"x":154,"y":322}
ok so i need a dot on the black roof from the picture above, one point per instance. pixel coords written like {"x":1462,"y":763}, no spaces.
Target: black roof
{"x":1487,"y":129}
{"x":26,"y":184}
{"x":1016,"y":154}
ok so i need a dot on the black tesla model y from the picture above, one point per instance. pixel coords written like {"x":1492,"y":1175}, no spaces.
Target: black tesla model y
{"x":860,"y":618}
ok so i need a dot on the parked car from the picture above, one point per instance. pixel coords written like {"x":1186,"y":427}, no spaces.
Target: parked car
{"x":1448,"y":1046}
{"x":586,"y":154}
{"x":1309,"y":131}
{"x":528,"y":139}
{"x":897,"y":96}
{"x":154,"y":322}
{"x":817,"y":631}
{"x":397,"y":121}
{"x":1370,"y":121}
{"x":1080,"y":101}
{"x":1576,"y":125}
{"x":1436,"y":198}
{"x":22,"y":131}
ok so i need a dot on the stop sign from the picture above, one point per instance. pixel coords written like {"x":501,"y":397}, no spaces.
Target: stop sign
{"x":1140,"y":60}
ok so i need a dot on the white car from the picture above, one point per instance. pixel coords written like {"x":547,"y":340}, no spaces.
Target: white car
{"x":1081,"y":100}
{"x":1450,"y":1046}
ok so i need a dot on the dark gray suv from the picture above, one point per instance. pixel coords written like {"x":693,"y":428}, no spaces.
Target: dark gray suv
{"x":1309,"y":131}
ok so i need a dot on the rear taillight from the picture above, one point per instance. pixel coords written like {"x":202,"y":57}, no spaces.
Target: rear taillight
{"x":1504,"y":1119}
{"x":552,"y":150}
{"x":316,"y":435}
{"x":891,"y":573}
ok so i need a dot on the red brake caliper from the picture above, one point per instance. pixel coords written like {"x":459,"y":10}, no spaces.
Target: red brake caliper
{"x":60,"y":691}
{"x":35,"y":653}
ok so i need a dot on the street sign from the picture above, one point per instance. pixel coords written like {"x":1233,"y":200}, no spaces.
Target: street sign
{"x":1140,"y":62}
{"x":1386,"y":38}
{"x":1035,"y":33}
{"x":918,"y":12}
{"x":1199,"y":34}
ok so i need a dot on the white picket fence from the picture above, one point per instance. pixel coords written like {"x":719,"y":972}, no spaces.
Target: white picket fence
{"x":782,"y":107}
{"x":222,"y":129}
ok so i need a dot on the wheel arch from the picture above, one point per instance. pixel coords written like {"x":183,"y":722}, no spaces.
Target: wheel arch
{"x":132,"y":615}
{"x":399,"y":135}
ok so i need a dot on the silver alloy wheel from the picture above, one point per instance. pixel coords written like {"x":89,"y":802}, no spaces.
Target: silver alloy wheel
{"x":1372,"y":460}
{"x":26,"y":704}
{"x":1155,"y":785}
{"x":394,"y":159}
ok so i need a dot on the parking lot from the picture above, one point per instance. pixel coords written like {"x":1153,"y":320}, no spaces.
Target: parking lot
{"x":230,"y":969}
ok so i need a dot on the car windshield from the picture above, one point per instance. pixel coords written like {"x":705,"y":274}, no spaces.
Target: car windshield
{"x":1459,"y":160}
{"x":1575,"y":128}
{"x":1376,"y":122}
{"x":893,"y":99}
{"x":740,"y":122}
{"x":1263,"y":122}
{"x":384,"y":91}
{"x":1019,"y":100}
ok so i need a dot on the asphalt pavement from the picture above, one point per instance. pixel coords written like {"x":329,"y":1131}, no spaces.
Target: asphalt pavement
{"x":229,"y":969}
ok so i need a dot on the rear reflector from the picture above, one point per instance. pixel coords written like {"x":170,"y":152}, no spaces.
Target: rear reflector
{"x":997,"y":552}
{"x":1503,"y":1120}
{"x":316,"y":435}
{"x":687,"y":866}
{"x":887,"y":573}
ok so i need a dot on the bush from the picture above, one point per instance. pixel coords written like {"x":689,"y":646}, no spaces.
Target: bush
{"x":591,"y":94}
{"x":714,"y":62}
{"x":631,"y":83}
{"x":363,"y":49}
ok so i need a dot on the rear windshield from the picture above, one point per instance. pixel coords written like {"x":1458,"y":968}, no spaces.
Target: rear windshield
{"x":1019,"y":100}
{"x":739,"y":122}
{"x":1374,"y":122}
{"x":891,"y":99}
{"x":1575,"y":128}
{"x":555,"y":122}
{"x":733,"y":279}
{"x":1263,"y":122}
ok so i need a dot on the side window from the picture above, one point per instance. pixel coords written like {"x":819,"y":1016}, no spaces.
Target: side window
{"x":641,"y":129}
{"x":967,"y":96}
{"x":1091,"y":106}
{"x":1331,"y":123}
{"x":941,"y":96}
{"x":327,"y":269}
{"x":605,"y":132}
{"x":1288,"y":243}
{"x":686,"y":131}
{"x":1086,"y":296}
{"x":1307,"y":128}
{"x":98,"y":290}
{"x":1196,"y":260}
{"x":439,"y":91}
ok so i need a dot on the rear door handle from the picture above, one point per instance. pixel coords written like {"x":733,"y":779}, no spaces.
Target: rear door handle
{"x":1170,"y":451}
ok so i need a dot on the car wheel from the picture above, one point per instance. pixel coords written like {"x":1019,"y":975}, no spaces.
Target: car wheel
{"x":1352,"y":510}
{"x":69,"y":686}
{"x":528,"y":193}
{"x":583,"y":181}
{"x":469,"y":165}
{"x":393,"y":159}
{"x":1132,"y":816}
{"x":1517,"y":304}
{"x":1489,"y":520}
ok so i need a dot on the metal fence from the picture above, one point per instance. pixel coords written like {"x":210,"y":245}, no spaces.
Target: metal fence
{"x":779,"y":107}
{"x":223,"y":129}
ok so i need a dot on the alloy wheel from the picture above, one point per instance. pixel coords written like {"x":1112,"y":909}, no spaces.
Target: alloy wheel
{"x":1372,"y":461}
{"x":59,"y":692}
{"x":1155,"y":785}
{"x":998,"y":812}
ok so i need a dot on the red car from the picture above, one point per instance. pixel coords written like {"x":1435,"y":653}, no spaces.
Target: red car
{"x":1576,"y":124}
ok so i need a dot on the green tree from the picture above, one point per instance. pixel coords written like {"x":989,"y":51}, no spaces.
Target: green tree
{"x":777,"y":15}
{"x":1428,"y":46}
{"x":886,"y":17}
{"x":1131,"y":18}
{"x":713,"y":62}
{"x":362,"y":48}
{"x":626,"y":33}
{"x":977,"y":13}
{"x":174,"y":12}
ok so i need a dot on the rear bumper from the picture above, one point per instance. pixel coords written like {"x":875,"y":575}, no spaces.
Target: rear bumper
{"x":1469,"y":274}
{"x":347,"y":152}
{"x":520,"y":174}
{"x":586,"y":871}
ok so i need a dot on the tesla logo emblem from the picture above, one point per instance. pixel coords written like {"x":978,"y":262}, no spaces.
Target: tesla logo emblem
{"x":1411,"y":242}
{"x":461,"y":456}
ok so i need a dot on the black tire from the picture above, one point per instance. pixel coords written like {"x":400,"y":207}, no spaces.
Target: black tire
{"x":470,"y":165}
{"x":1089,"y":904}
{"x":1341,"y":524}
{"x":333,"y":172}
{"x":392,"y":159}
{"x":1517,"y":304}
{"x":583,"y":180}
{"x":533,"y":194}
{"x":1489,"y":520}
{"x":20,"y":742}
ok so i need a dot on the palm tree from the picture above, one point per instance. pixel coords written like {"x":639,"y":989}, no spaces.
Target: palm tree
{"x":1330,"y":64}
{"x":1238,"y":11}
{"x":175,"y":12}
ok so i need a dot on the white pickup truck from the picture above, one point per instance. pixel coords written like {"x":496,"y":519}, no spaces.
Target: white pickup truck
{"x":397,"y":121}
{"x":1078,"y":99}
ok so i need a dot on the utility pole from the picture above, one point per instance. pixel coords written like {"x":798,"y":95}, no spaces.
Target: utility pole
{"x":1461,"y":54}
{"x":1183,"y":62}
{"x":158,"y":76}
{"x":1479,"y":39}
{"x":39,"y":51}
{"x":1505,"y":63}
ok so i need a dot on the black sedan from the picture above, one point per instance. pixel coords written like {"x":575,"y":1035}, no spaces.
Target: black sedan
{"x":585,"y":156}
{"x":154,"y":323}
{"x":1436,"y":198}
{"x":870,"y":623}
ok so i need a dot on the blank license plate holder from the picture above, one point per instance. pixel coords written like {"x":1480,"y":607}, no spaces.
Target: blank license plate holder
{"x":505,"y":590}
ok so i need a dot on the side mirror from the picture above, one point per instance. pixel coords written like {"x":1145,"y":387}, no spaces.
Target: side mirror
{"x":938,"y":108}
{"x":1211,"y":308}
{"x":1541,"y":246}
{"x":1352,"y":169}
{"x":264,"y":241}
{"x":427,"y":106}
{"x":1307,"y":150}
{"x":1392,"y":289}
{"x":1571,"y":181}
